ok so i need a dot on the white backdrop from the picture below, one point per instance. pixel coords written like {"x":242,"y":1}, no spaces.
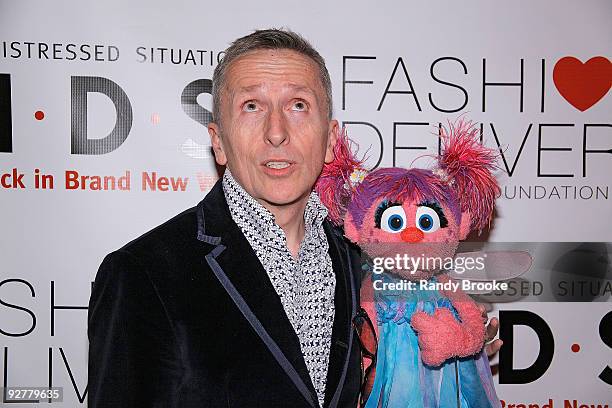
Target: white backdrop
{"x":446,"y":57}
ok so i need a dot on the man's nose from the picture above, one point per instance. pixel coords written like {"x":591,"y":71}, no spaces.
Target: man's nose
{"x":412,"y":234}
{"x":276,"y":132}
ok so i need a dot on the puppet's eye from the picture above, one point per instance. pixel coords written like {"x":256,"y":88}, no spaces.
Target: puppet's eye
{"x":393,"y":219}
{"x":427,"y":219}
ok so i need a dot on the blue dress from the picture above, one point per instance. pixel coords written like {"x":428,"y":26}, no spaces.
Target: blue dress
{"x":402,"y":379}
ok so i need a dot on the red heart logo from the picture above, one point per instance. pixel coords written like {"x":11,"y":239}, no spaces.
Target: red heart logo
{"x":583,"y":85}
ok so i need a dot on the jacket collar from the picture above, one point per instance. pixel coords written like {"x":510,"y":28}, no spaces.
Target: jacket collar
{"x":239,"y":263}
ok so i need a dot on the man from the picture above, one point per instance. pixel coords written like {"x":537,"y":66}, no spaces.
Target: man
{"x":246,"y":299}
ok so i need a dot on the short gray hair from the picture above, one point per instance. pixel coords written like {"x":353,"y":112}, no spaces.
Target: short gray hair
{"x":270,"y":39}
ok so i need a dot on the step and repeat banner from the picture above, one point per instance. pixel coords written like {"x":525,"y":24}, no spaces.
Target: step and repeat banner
{"x":103,"y":113}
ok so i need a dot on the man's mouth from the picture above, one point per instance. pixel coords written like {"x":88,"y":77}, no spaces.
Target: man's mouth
{"x":278,"y":164}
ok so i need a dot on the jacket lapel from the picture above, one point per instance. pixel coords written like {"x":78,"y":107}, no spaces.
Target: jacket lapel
{"x":234,"y":258}
{"x":344,"y":303}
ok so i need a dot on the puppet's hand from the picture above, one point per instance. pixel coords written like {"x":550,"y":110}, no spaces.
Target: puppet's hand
{"x":472,"y":325}
{"x":440,"y":335}
{"x":472,"y":318}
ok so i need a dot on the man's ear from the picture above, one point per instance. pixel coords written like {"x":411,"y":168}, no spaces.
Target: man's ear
{"x":466,"y":224}
{"x":217,"y":144}
{"x":350,"y":230}
{"x":332,"y":138}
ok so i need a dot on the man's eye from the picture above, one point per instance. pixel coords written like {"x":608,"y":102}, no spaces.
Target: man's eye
{"x":249,"y":107}
{"x":299,"y":106}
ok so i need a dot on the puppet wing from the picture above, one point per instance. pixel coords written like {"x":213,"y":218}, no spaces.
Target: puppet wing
{"x":498,"y":266}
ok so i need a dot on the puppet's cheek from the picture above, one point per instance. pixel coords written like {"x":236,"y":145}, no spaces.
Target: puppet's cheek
{"x":378,"y":235}
{"x":449,"y":234}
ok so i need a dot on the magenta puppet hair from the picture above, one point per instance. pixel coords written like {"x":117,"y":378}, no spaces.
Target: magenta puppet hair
{"x":398,"y":184}
{"x":334,"y":186}
{"x":344,"y":185}
{"x":468,"y":167}
{"x":462,"y":180}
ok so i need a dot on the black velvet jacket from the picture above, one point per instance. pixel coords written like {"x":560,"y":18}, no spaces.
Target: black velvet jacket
{"x":186,"y":316}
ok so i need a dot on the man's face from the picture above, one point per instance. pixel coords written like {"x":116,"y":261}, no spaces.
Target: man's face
{"x":274,"y":134}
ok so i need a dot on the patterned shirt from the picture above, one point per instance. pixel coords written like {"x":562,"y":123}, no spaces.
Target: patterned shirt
{"x":306,"y":286}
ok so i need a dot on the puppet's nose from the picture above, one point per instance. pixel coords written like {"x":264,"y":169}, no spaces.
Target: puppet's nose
{"x":412,"y":234}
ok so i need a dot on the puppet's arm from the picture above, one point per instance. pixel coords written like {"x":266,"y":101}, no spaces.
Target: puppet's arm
{"x":441,"y":336}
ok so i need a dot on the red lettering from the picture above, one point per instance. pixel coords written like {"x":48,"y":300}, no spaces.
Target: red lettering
{"x":162,"y":184}
{"x":179,"y":183}
{"x":153,"y":182}
{"x":72,"y":180}
{"x":14,"y":179}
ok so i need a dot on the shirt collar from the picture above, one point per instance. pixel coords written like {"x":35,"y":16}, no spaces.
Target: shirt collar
{"x":236,"y":196}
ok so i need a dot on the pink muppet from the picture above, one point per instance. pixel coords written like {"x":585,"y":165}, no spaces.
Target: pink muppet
{"x":430,"y":348}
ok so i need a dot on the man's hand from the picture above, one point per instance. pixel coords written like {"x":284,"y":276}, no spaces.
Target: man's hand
{"x":492,"y":346}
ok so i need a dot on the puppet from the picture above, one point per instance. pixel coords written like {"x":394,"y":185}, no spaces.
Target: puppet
{"x":430,"y":347}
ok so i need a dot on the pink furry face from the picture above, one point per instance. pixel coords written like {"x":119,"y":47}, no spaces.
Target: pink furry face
{"x":412,"y":222}
{"x":413,"y":228}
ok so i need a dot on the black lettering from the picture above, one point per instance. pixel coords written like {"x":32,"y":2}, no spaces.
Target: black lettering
{"x":140,"y":53}
{"x":5,"y":382}
{"x":6,"y":126}
{"x":543,"y":79}
{"x":465,"y":94}
{"x":380,"y":138}
{"x":112,"y":57}
{"x":395,"y":147}
{"x":345,"y":58}
{"x":42,"y":50}
{"x":501,"y":151}
{"x":507,"y":320}
{"x":189,"y":101}
{"x":584,"y":145}
{"x":70,"y":50}
{"x":12,"y":306}
{"x":555,"y":149}
{"x":80,"y":143}
{"x":57,"y":51}
{"x":485,"y":83}
{"x":399,"y":62}
{"x":55,"y":307}
{"x":85,"y":50}
{"x":98,"y":50}
{"x":17,"y":50}
{"x":80,"y":397}
{"x":29,"y":44}
{"x":605,"y":333}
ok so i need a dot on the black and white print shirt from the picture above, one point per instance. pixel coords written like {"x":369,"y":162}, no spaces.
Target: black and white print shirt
{"x":306,"y":286}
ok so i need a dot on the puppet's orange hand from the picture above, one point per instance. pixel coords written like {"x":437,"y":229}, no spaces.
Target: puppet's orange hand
{"x":472,"y":325}
{"x":474,"y":316}
{"x":440,"y":335}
